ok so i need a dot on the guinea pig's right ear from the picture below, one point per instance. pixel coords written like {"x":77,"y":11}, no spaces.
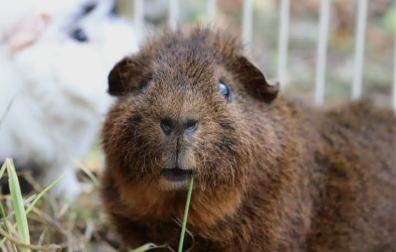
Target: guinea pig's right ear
{"x":254,"y":80}
{"x":118,"y":77}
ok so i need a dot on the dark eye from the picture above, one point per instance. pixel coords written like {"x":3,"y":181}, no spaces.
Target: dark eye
{"x":224,"y":91}
{"x":88,"y":8}
{"x":145,"y":84}
{"x":79,"y":35}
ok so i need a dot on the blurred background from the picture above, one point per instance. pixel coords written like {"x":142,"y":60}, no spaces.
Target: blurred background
{"x":303,"y":33}
{"x":55,"y":57}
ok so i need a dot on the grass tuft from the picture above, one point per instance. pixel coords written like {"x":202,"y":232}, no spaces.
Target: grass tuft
{"x":20,"y":213}
{"x":50,"y":221}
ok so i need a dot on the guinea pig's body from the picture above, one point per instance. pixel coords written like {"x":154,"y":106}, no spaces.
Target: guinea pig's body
{"x":270,"y":174}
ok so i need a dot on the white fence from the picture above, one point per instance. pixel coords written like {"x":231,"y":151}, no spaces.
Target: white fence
{"x":247,"y":21}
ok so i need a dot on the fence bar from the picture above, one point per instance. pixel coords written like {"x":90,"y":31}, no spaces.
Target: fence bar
{"x":139,"y":19}
{"x":211,"y":11}
{"x":322,"y":51}
{"x":394,"y":79}
{"x":247,"y":20}
{"x":361,"y":19}
{"x":173,"y":13}
{"x":283,"y":42}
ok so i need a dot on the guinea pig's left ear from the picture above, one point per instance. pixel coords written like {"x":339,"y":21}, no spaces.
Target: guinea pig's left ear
{"x":128,"y":75}
{"x":125,"y":76}
{"x":118,"y":77}
{"x":254,"y":80}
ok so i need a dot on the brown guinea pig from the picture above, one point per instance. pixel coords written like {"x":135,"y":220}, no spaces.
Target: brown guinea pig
{"x":270,"y":174}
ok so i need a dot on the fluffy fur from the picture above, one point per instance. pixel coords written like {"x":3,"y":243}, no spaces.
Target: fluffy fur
{"x":53,"y":89}
{"x":270,"y":174}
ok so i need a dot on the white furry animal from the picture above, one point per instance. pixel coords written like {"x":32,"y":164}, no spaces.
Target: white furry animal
{"x":54,"y":60}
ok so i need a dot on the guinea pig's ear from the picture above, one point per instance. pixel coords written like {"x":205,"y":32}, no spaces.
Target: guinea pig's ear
{"x":118,"y":78}
{"x":254,"y":80}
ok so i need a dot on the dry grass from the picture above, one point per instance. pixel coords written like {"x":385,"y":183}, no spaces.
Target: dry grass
{"x":77,"y":226}
{"x":47,"y":224}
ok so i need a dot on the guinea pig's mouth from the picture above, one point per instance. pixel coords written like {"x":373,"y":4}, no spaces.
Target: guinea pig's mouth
{"x":176,"y":174}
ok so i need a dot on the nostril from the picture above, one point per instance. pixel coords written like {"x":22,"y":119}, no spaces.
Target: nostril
{"x":166,"y":126}
{"x":191,"y":125}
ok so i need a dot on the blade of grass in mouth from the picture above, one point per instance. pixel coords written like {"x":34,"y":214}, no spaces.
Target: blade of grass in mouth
{"x":186,"y":214}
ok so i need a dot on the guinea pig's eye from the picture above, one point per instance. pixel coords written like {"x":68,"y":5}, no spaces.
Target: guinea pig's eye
{"x":224,"y":91}
{"x":145,"y":84}
{"x":79,"y":35}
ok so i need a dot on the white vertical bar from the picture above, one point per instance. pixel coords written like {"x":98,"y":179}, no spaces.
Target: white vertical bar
{"x":247,"y":20}
{"x":173,"y":14}
{"x":361,"y":19}
{"x":394,"y":79}
{"x":139,"y":19}
{"x":211,"y":11}
{"x":283,"y":42}
{"x":322,"y":51}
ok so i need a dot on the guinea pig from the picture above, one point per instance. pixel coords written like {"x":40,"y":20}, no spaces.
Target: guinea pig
{"x":54,"y":62}
{"x":270,"y":174}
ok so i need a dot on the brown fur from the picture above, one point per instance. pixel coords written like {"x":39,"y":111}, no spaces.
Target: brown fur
{"x":270,"y":174}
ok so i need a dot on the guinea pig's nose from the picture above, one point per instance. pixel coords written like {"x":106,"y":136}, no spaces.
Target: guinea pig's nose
{"x":167,"y":126}
{"x":188,"y":126}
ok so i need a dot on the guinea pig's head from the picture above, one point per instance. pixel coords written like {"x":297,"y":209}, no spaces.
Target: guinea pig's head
{"x":181,"y":111}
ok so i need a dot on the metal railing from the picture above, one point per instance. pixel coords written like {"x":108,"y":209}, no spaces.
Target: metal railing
{"x":283,"y":39}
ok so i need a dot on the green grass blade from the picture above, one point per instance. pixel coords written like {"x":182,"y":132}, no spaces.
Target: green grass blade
{"x":31,"y":198}
{"x":186,"y":214}
{"x":30,"y":207}
{"x":3,"y":217}
{"x":17,"y":203}
{"x":36,"y":198}
{"x":2,"y":212}
{"x":2,"y":170}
